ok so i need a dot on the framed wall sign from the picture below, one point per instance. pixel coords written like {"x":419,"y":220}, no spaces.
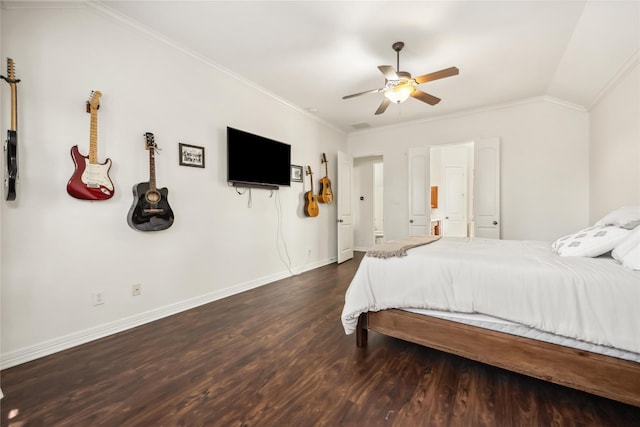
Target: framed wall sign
{"x":296,"y":173}
{"x":191,"y":155}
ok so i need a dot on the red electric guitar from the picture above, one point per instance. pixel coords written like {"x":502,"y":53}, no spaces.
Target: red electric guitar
{"x":90,"y":180}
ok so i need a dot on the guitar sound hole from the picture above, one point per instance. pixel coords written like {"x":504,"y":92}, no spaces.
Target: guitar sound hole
{"x":152,"y":196}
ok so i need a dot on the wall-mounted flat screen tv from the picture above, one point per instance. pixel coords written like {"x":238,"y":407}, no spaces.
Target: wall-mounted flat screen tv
{"x":256,"y":161}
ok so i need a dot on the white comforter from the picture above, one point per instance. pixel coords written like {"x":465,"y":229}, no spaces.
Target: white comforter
{"x":591,"y":299}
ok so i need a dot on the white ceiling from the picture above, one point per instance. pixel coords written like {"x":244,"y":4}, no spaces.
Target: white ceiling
{"x":312,"y":53}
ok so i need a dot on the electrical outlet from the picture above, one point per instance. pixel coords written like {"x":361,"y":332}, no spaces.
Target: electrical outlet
{"x":98,"y":298}
{"x":136,"y":289}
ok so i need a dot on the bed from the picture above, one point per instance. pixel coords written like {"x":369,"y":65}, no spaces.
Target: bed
{"x":518,"y":305}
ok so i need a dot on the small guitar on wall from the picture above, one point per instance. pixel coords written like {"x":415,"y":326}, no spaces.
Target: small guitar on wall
{"x":150,"y":210}
{"x":325,"y":195}
{"x":90,"y":180}
{"x":11,"y":144}
{"x":310,"y":199}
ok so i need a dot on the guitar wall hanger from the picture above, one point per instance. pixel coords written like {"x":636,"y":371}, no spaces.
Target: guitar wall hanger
{"x":10,"y":80}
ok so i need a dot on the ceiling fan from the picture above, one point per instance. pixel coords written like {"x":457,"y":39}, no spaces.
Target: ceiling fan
{"x":399,"y":85}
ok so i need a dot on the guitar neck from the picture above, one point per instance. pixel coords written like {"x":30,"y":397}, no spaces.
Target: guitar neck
{"x":11,"y":79}
{"x":310,"y":177}
{"x":326,"y":165}
{"x":152,"y":169}
{"x":93,"y":137}
{"x":14,"y":106}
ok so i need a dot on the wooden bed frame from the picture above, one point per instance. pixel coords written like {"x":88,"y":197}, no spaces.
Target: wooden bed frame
{"x":594,"y":373}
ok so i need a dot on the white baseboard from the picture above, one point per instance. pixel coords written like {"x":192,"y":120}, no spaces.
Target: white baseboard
{"x":46,"y":348}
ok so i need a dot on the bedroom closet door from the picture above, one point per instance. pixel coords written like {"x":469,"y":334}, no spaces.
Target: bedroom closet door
{"x":419,"y":192}
{"x":486,"y":201}
{"x":455,"y":201}
{"x":345,"y":207}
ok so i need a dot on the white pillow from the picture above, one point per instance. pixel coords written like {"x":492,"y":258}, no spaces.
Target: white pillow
{"x":627,"y":252}
{"x":625,"y":217}
{"x":590,"y":242}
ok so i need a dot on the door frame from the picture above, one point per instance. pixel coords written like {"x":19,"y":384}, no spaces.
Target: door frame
{"x":359,"y":230}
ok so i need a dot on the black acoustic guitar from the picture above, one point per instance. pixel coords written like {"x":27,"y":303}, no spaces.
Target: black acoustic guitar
{"x":11,"y":144}
{"x":150,"y":210}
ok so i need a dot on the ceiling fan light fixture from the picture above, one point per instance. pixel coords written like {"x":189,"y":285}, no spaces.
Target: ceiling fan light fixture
{"x":399,"y":85}
{"x":399,"y":93}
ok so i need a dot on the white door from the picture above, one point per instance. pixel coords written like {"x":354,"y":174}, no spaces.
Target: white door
{"x":486,"y":200}
{"x":378,"y":206}
{"x":344,"y":206}
{"x":455,"y":203}
{"x":419,"y":192}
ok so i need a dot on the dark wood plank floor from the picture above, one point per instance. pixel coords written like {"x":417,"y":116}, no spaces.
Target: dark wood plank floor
{"x":278,"y":356}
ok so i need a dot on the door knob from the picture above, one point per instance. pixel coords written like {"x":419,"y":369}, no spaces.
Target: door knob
{"x":411,"y":221}
{"x":340,"y":220}
{"x":495,"y":222}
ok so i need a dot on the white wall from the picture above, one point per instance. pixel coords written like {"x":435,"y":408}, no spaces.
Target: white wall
{"x":615,"y":146}
{"x":57,"y":250}
{"x":544,"y":170}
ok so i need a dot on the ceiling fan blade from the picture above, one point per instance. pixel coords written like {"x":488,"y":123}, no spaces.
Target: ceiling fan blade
{"x":389,"y":72}
{"x":425,"y":97}
{"x":383,"y":106}
{"x":363,"y":93}
{"x":447,"y":72}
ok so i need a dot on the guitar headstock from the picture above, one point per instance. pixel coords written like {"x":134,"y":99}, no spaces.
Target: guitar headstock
{"x":11,"y":72}
{"x":93,"y":103}
{"x":11,"y":69}
{"x":324,"y":158}
{"x":150,"y":143}
{"x":309,"y":171}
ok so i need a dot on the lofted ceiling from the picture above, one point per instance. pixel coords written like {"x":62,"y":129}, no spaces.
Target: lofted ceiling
{"x":312,"y":53}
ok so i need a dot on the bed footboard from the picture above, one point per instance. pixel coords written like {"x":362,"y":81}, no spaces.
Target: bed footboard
{"x":594,"y":373}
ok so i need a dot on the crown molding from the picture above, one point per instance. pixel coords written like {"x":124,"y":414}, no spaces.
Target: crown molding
{"x":15,"y":4}
{"x":478,"y":110}
{"x":102,"y":8}
{"x":626,"y":67}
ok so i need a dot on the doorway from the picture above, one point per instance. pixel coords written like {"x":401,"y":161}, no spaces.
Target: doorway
{"x":451,"y":174}
{"x":480,"y":199}
{"x":368,"y":193}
